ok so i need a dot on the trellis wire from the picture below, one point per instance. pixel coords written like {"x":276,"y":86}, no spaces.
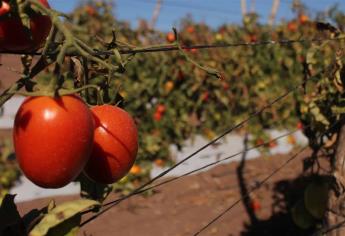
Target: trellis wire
{"x":164,"y":48}
{"x":209,"y":165}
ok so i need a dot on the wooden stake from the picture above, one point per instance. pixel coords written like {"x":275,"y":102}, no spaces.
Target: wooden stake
{"x":155,"y":14}
{"x":336,"y":198}
{"x":274,"y":11}
{"x":244,"y":7}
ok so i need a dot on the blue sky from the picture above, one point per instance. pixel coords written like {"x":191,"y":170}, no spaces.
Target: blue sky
{"x":215,"y":12}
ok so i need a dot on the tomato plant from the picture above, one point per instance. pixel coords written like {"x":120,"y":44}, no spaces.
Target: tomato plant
{"x":115,"y":144}
{"x":53,"y":139}
{"x":26,"y":37}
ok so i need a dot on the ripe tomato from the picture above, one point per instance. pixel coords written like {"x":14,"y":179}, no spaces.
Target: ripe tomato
{"x":5,"y":8}
{"x":292,"y":26}
{"x":161,"y":108}
{"x":53,"y":139}
{"x":190,"y":29}
{"x":171,"y":37}
{"x":115,"y":145}
{"x":272,"y":144}
{"x":169,"y":85}
{"x":19,"y":39}
{"x":291,"y":139}
{"x":160,"y":163}
{"x":157,"y":116}
{"x":253,"y":38}
{"x":135,"y":170}
{"x":90,"y":10}
{"x":303,"y":19}
{"x":255,"y":205}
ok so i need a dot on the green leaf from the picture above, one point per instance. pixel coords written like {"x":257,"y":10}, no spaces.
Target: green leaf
{"x":33,"y":217}
{"x":8,"y":212}
{"x":63,"y":219}
{"x":69,"y":227}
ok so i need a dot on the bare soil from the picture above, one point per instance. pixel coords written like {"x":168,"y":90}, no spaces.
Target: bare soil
{"x":184,"y":206}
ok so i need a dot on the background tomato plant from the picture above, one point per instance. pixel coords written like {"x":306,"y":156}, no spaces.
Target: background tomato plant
{"x":194,"y":102}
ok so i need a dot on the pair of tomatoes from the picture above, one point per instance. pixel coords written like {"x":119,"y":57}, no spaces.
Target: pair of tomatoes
{"x":55,"y":139}
{"x":17,"y":37}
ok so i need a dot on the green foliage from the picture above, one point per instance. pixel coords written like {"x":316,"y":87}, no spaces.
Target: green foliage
{"x":8,"y":168}
{"x":322,"y":106}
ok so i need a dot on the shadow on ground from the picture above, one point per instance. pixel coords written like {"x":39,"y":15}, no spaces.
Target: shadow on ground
{"x":285,"y":194}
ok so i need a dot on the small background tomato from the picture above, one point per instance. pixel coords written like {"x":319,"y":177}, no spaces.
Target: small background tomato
{"x":171,"y":37}
{"x":161,"y":108}
{"x":135,"y":170}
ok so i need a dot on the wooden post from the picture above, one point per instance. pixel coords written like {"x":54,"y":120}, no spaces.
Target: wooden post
{"x":252,"y":6}
{"x":274,"y":11}
{"x":336,"y":199}
{"x":156,"y":14}
{"x":244,"y":7}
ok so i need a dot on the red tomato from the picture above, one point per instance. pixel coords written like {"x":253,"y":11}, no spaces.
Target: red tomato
{"x":19,"y":39}
{"x":171,"y":37}
{"x":303,"y":19}
{"x":90,"y":10}
{"x":255,"y":205}
{"x":5,"y":8}
{"x":253,"y":38}
{"x":53,"y":139}
{"x":157,"y":116}
{"x":190,"y":29}
{"x":194,"y":50}
{"x":115,"y":145}
{"x":272,"y":144}
{"x":292,"y":26}
{"x":160,"y":108}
